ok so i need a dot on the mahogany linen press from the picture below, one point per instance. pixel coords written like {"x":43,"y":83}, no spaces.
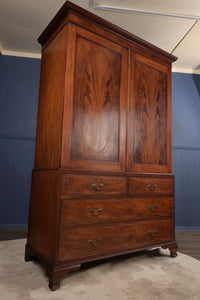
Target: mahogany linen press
{"x":102,"y":183}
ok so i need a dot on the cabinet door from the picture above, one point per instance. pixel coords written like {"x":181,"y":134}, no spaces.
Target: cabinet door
{"x":94,"y":126}
{"x":149,"y":122}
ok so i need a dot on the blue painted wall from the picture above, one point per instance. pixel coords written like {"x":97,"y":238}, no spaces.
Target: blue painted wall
{"x":186,"y":147}
{"x":19,"y":88}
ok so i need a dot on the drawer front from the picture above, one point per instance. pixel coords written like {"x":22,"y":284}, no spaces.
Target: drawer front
{"x":90,"y":210}
{"x":149,"y":185}
{"x":93,"y":185}
{"x":84,"y":242}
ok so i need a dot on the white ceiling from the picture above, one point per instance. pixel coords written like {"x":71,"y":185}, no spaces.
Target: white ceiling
{"x":173,"y":25}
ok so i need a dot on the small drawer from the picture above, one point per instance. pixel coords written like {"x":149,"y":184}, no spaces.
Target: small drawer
{"x":82,"y":242}
{"x":92,"y":185}
{"x":149,"y":185}
{"x":77,"y":211}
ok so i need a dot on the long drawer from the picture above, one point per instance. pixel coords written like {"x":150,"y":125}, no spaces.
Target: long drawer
{"x":149,"y":185}
{"x":87,"y":241}
{"x":92,"y":210}
{"x":92,"y":185}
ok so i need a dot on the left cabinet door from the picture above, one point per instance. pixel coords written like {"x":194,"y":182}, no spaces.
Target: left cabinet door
{"x":95,"y":99}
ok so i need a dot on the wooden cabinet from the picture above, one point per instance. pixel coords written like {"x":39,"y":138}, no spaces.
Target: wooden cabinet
{"x":102,"y":182}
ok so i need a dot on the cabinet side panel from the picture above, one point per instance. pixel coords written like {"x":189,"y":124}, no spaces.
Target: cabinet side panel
{"x":49,"y":127}
{"x":44,"y":213}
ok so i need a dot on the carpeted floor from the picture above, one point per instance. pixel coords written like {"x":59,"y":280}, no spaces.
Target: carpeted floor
{"x":150,"y":275}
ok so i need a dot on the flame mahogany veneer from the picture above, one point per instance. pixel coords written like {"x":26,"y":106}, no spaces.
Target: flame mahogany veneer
{"x":102,"y":183}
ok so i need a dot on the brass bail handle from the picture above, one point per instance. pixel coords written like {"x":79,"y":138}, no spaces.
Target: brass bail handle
{"x":152,"y":208}
{"x":97,"y":188}
{"x":95,"y":213}
{"x":152,"y":234}
{"x":152,"y":187}
{"x":94,"y":242}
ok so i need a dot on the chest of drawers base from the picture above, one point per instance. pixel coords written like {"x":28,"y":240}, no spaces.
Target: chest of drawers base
{"x":69,"y":226}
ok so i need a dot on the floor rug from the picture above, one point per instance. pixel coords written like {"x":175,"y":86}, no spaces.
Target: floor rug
{"x":148,"y":275}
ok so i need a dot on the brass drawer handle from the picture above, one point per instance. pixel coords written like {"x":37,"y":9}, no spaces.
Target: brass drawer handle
{"x":97,"y":188}
{"x":154,"y":233}
{"x":95,"y":213}
{"x":94,"y":243}
{"x":151,"y":208}
{"x":152,"y":187}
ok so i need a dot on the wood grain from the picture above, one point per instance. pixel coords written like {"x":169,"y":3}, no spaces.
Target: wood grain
{"x":78,"y":185}
{"x":85,"y":211}
{"x":149,"y":132}
{"x":49,"y":129}
{"x":150,"y":115}
{"x":44,"y":213}
{"x":152,"y":185}
{"x":93,"y":240}
{"x":95,"y":103}
{"x":96,"y":111}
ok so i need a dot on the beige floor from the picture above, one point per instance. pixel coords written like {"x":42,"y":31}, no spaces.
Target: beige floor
{"x":142,"y":276}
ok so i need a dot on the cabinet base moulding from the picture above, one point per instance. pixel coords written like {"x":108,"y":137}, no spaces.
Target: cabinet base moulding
{"x":173,"y":249}
{"x":59,"y":271}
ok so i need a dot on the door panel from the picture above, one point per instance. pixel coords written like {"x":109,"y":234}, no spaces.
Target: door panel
{"x":96,"y":120}
{"x":149,"y":128}
{"x":96,"y":113}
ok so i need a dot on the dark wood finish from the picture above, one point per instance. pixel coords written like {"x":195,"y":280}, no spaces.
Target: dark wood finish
{"x":146,"y":185}
{"x":87,"y":211}
{"x":44,"y":213}
{"x":102,"y":184}
{"x":89,"y":185}
{"x":173,"y":249}
{"x":97,"y":239}
{"x":96,"y":113}
{"x":149,"y":136}
{"x":150,"y":121}
{"x":188,"y":241}
{"x":49,"y":129}
{"x":95,"y":109}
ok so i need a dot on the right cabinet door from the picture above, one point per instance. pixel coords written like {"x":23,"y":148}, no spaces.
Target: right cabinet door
{"x":149,"y":120}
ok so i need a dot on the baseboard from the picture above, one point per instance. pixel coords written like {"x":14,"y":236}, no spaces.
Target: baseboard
{"x":14,"y":226}
{"x":187,"y":228}
{"x":25,"y":226}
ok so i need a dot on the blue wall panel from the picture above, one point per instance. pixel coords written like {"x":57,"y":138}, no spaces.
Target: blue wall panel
{"x":19,"y":89}
{"x":186,"y":166}
{"x":186,"y":148}
{"x":16,"y":161}
{"x":185,"y":109}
